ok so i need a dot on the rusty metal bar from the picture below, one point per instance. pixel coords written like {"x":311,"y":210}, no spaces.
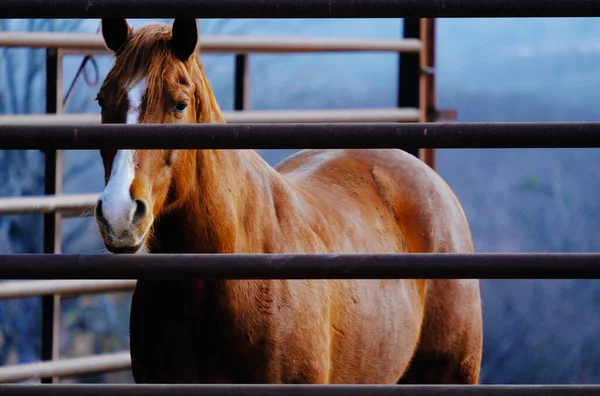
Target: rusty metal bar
{"x":290,"y":136}
{"x":64,"y":288}
{"x":241,"y":93}
{"x":93,"y":44}
{"x":66,"y":205}
{"x":51,"y":233}
{"x":302,"y":266}
{"x":63,"y":368}
{"x":445,"y":115}
{"x":427,"y":83}
{"x":245,"y":117}
{"x":295,"y":9}
{"x":297,"y":390}
{"x":321,"y":116}
{"x":408,"y":74}
{"x":54,"y":119}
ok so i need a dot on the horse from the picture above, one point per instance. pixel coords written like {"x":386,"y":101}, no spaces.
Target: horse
{"x":315,"y":201}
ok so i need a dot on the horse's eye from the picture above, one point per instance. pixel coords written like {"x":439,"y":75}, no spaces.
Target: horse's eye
{"x":180,"y":107}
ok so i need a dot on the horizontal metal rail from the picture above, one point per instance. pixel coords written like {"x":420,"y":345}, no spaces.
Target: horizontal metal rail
{"x":291,"y":136}
{"x":302,"y":266}
{"x":295,"y":9}
{"x":65,"y":288}
{"x":67,"y":205}
{"x":296,"y":390}
{"x":90,"y":43}
{"x":63,"y":368}
{"x":242,"y":117}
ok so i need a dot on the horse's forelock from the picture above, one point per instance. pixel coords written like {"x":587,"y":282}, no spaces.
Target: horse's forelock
{"x":146,"y":56}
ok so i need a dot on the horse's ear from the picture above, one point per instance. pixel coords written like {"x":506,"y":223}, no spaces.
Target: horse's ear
{"x":185,"y":37}
{"x":116,"y":32}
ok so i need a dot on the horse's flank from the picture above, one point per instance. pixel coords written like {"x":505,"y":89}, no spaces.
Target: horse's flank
{"x":231,"y":201}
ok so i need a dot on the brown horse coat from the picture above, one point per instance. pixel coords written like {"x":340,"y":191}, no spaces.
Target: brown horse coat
{"x":317,"y":201}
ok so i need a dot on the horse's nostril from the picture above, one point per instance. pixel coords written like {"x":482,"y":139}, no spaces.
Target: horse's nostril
{"x":99,"y":208}
{"x":140,"y":210}
{"x":100,"y":215}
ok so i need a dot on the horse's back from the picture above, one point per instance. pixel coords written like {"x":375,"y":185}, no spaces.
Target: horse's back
{"x":425,"y":208}
{"x":430,"y":219}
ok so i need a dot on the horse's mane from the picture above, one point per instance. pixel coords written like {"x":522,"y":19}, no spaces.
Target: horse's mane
{"x":146,"y":55}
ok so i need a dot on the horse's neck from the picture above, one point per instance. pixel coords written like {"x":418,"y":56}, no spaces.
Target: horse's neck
{"x":228,"y":206}
{"x":227,"y":203}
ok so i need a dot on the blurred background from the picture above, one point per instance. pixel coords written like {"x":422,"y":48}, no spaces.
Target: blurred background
{"x":516,"y":200}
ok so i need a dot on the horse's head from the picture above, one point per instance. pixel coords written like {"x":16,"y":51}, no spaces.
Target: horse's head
{"x":158,"y":79}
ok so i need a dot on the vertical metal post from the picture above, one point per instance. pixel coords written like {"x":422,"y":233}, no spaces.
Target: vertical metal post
{"x":428,"y":99}
{"x":52,"y":235}
{"x":242,"y":83}
{"x":409,"y":70}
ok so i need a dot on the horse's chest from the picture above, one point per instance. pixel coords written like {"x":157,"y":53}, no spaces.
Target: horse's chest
{"x":181,"y":333}
{"x":271,"y":336}
{"x":229,"y":347}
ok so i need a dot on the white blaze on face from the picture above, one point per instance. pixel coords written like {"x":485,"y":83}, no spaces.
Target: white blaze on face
{"x":135,"y":102}
{"x":117,"y":205}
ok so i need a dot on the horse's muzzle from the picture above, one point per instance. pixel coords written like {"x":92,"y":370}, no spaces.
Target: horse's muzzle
{"x":122,"y":234}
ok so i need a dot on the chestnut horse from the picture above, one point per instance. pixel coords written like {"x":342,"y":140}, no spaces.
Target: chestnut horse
{"x":317,"y":201}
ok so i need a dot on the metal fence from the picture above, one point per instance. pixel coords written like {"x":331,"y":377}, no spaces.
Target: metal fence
{"x":416,"y":102}
{"x":417,"y":91}
{"x":295,"y":9}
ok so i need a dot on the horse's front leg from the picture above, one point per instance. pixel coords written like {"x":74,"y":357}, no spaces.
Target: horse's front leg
{"x":161,"y":334}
